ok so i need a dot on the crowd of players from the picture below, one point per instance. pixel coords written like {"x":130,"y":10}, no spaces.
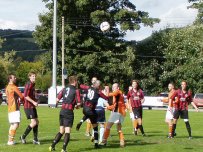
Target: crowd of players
{"x":94,"y":103}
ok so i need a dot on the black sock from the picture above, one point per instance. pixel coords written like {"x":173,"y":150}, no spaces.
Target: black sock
{"x":188,"y":128}
{"x":96,"y":134}
{"x":66,"y":140}
{"x":84,"y":118}
{"x":141,"y":129}
{"x":35,"y":132}
{"x":56,"y":139}
{"x":173,"y":130}
{"x":27,"y":131}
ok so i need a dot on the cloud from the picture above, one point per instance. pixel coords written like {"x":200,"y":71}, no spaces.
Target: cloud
{"x":178,"y":16}
{"x":23,"y":15}
{"x":8,"y":24}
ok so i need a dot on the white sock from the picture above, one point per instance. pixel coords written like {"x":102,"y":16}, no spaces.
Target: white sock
{"x":101,"y":133}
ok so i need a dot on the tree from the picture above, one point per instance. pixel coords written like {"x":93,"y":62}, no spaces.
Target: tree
{"x":25,"y":67}
{"x":197,"y":4}
{"x":84,"y":41}
{"x":183,"y":53}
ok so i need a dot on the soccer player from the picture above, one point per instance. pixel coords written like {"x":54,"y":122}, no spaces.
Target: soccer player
{"x":136,"y":98}
{"x":169,"y":112}
{"x":117,"y":115}
{"x":182,"y":98}
{"x":134,"y":121}
{"x":30,"y":105}
{"x":89,"y":107}
{"x":89,"y":125}
{"x":102,"y":104}
{"x":13,"y":94}
{"x":71,"y":99}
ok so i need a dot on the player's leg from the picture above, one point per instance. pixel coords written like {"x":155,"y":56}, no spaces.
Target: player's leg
{"x":14,"y":120}
{"x":80,"y":123}
{"x":134,"y":123}
{"x":120,"y":134}
{"x":96,"y":136}
{"x":175,"y":120}
{"x":29,"y":114}
{"x":138,"y":116}
{"x":66,"y":138}
{"x":57,"y":137}
{"x":184,"y":116}
{"x":114,"y":118}
{"x":88,"y":128}
{"x":169,"y":121}
{"x":68,"y":123}
{"x":35,"y":131}
{"x":12,"y":133}
{"x":170,"y":128}
{"x":101,"y":132}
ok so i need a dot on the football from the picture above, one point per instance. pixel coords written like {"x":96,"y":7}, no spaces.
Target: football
{"x":104,"y":26}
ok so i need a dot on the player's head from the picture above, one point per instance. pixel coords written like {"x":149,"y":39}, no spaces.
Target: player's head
{"x":72,"y":80}
{"x":183,"y":85}
{"x":32,"y":76}
{"x":115,"y":86}
{"x":94,"y":79}
{"x":135,"y":84}
{"x":11,"y":78}
{"x":171,"y":86}
{"x":97,"y":84}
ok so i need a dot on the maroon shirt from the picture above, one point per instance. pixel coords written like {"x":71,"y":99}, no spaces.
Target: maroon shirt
{"x":29,"y":91}
{"x":135,"y":98}
{"x":184,"y":99}
{"x":71,"y":96}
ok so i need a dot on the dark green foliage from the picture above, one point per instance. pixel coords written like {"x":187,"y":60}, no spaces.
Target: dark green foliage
{"x":88,"y":51}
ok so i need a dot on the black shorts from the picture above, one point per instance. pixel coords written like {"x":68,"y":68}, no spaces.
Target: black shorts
{"x":91,"y":114}
{"x":31,"y":113}
{"x":66,"y":121}
{"x":182,"y":113}
{"x":137,"y":112}
{"x":100,"y":115}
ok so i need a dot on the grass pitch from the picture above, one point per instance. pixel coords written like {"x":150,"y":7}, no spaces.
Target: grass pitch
{"x":153,"y":122}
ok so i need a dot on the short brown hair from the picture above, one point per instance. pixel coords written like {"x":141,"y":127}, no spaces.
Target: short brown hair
{"x":31,"y":73}
{"x":10,"y":76}
{"x":71,"y":79}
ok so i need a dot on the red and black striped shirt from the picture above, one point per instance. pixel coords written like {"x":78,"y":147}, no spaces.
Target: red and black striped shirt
{"x":29,"y":91}
{"x":135,"y":98}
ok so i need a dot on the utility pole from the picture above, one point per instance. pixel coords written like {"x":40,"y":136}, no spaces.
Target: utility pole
{"x":52,"y":90}
{"x":62,"y":49}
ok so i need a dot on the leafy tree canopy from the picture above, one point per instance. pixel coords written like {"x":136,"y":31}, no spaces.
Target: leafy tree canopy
{"x":89,"y":51}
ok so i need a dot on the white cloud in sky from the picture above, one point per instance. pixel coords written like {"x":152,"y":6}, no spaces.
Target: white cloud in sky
{"x":175,"y":15}
{"x":20,"y":14}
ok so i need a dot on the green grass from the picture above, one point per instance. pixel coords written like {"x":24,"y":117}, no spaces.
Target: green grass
{"x":154,"y":126}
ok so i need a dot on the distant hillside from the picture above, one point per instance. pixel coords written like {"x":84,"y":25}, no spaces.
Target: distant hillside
{"x":21,"y":41}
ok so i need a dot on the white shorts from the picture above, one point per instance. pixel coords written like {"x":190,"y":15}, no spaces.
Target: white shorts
{"x":169,"y":115}
{"x":132,"y":116}
{"x":14,"y":117}
{"x":116,"y":117}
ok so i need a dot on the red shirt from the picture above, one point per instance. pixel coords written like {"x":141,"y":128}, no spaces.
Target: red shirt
{"x":182,"y":99}
{"x":135,"y":98}
{"x":29,"y":91}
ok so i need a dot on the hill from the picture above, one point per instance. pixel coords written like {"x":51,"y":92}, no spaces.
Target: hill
{"x":21,"y":41}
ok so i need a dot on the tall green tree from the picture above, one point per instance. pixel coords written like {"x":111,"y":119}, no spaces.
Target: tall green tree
{"x":85,"y":43}
{"x":184,"y":53}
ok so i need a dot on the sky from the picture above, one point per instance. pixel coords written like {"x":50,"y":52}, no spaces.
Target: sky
{"x":23,"y":15}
